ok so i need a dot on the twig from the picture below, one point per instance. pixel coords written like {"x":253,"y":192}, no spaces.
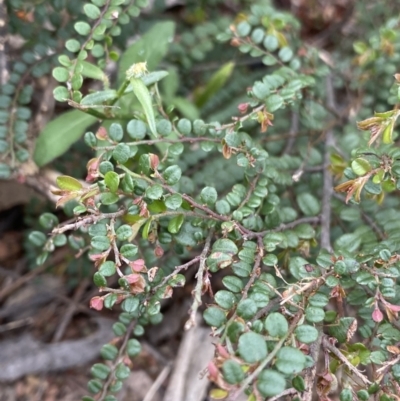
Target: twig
{"x":94,"y":218}
{"x":70,"y":311}
{"x":157,"y":384}
{"x":118,"y":359}
{"x":249,"y":191}
{"x":58,"y":257}
{"x":175,"y":272}
{"x":4,"y":25}
{"x":162,"y":140}
{"x":366,"y":218}
{"x":253,"y":276}
{"x":294,"y":129}
{"x":16,"y":324}
{"x":315,"y":349}
{"x":327,"y":188}
{"x":331,"y":348}
{"x":268,"y":359}
{"x":287,"y":392}
{"x":199,"y":285}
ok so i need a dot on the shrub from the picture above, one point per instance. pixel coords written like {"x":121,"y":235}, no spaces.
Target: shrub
{"x":191,"y":172}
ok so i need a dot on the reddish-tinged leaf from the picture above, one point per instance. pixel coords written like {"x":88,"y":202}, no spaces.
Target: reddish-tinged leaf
{"x":212,"y":370}
{"x":377,"y":315}
{"x":137,"y":265}
{"x":154,"y":161}
{"x":97,"y":303}
{"x":222,"y":351}
{"x":132,"y":278}
{"x":101,"y":134}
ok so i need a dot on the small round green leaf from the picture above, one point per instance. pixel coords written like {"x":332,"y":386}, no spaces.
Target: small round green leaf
{"x":129,"y":251}
{"x":172,"y":174}
{"x":225,"y":299}
{"x":233,"y":283}
{"x":209,"y":195}
{"x":173,"y":202}
{"x":61,"y":74}
{"x":124,"y":232}
{"x":276,"y":325}
{"x":133,"y":347}
{"x":308,"y":204}
{"x":136,"y":129}
{"x":100,"y":243}
{"x":252,"y":347}
{"x":306,"y":334}
{"x":109,"y":352}
{"x":111,"y":180}
{"x":247,"y":309}
{"x":37,"y":238}
{"x":314,"y":314}
{"x":290,"y":360}
{"x":184,"y":126}
{"x":270,"y":383}
{"x":83,"y":28}
{"x":121,"y":153}
{"x":232,"y":372}
{"x":108,"y":268}
{"x":122,"y":372}
{"x":100,"y":371}
{"x":214,"y":316}
{"x":92,"y":11}
{"x":130,"y":305}
{"x":175,"y":224}
{"x":154,"y":192}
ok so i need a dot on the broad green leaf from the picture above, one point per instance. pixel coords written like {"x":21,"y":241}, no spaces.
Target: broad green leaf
{"x":68,"y":183}
{"x":214,"y":84}
{"x":59,"y":134}
{"x":150,"y":48}
{"x":142,"y":93}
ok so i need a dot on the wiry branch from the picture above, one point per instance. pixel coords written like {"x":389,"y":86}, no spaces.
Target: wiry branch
{"x":200,"y":281}
{"x":294,"y":129}
{"x":327,"y":188}
{"x":92,"y":219}
{"x":331,"y":348}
